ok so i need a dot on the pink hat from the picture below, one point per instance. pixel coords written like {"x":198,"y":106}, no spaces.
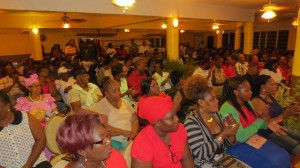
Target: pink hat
{"x":31,"y":80}
{"x":154,"y":108}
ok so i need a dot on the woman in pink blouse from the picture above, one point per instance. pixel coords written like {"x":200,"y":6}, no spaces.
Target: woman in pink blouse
{"x":41,"y":106}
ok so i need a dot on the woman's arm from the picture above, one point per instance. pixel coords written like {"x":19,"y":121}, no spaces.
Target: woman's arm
{"x":76,"y":106}
{"x":187,"y":160}
{"x":40,"y":141}
{"x":135,"y":124}
{"x":136,"y":163}
{"x":260,"y":109}
{"x":117,"y":131}
{"x":99,"y":97}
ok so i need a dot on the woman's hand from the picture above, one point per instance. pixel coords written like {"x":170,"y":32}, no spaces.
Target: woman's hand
{"x":230,"y":130}
{"x":129,"y":134}
{"x":277,"y":129}
{"x":229,"y":120}
{"x":177,"y":98}
{"x":291,"y":110}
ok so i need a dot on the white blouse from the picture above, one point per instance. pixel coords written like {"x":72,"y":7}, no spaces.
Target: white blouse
{"x":16,"y":142}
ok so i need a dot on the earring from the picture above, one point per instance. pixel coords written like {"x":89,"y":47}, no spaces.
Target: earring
{"x":85,"y":159}
{"x":202,"y":109}
{"x":263,"y":90}
{"x":8,"y":110}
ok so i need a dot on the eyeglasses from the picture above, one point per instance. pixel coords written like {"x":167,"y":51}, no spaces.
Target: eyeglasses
{"x":35,"y":86}
{"x":173,"y":155}
{"x":105,"y":140}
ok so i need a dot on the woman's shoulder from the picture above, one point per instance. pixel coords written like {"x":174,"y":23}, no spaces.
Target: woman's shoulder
{"x":226,"y":108}
{"x":93,"y":86}
{"x":116,"y":159}
{"x":48,"y":97}
{"x":22,"y":100}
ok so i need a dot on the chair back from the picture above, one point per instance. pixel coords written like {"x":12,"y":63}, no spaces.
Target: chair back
{"x":51,"y":130}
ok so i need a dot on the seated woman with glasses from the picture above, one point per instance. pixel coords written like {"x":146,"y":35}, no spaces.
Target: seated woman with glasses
{"x":41,"y":106}
{"x":85,"y":138}
{"x":162,"y":143}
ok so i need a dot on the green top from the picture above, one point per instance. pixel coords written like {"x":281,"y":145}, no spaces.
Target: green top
{"x":243,"y":134}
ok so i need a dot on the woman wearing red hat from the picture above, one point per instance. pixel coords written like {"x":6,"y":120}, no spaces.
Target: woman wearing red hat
{"x":162,"y":143}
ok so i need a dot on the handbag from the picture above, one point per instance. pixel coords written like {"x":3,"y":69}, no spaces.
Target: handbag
{"x":228,"y":161}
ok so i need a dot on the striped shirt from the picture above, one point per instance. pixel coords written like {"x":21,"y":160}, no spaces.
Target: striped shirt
{"x":201,"y":141}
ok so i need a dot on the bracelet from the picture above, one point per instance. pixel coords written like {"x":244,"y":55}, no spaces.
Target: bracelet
{"x":220,"y":140}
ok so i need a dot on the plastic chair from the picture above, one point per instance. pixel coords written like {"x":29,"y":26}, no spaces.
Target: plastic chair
{"x":58,"y":162}
{"x":51,"y":130}
{"x":126,"y":153}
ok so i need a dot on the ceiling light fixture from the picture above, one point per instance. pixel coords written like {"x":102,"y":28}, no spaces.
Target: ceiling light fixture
{"x":215,"y":27}
{"x":123,"y":3}
{"x":66,"y":25}
{"x":269,"y":14}
{"x":127,"y":30}
{"x":175,"y":22}
{"x":164,"y":25}
{"x":295,"y":22}
{"x":35,"y":31}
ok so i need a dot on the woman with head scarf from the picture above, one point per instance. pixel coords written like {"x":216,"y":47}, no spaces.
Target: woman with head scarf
{"x":162,"y":143}
{"x":41,"y":106}
{"x":84,"y":94}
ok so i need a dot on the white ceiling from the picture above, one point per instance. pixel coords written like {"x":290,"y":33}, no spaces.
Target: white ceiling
{"x":26,"y":19}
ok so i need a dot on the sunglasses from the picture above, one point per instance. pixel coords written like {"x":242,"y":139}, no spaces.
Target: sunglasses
{"x":105,"y":140}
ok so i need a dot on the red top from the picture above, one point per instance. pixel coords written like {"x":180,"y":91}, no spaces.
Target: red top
{"x":228,"y":70}
{"x":285,"y":72}
{"x":115,"y":160}
{"x":134,"y":81}
{"x":122,"y":53}
{"x":148,"y":146}
{"x":249,"y":115}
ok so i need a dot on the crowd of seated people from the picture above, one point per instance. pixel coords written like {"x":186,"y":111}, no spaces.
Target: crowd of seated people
{"x":113,"y":97}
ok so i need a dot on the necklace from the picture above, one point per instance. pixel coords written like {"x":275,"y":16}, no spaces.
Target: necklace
{"x":210,"y":120}
{"x":35,"y":100}
{"x":103,"y":164}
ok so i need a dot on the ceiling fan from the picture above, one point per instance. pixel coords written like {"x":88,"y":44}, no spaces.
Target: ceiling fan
{"x":67,"y":20}
{"x":269,"y":9}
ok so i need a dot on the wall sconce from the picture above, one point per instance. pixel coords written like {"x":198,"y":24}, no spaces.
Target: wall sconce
{"x":175,"y":22}
{"x":295,"y":22}
{"x":127,"y":30}
{"x":35,"y":31}
{"x":182,"y":31}
{"x":164,"y":25}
